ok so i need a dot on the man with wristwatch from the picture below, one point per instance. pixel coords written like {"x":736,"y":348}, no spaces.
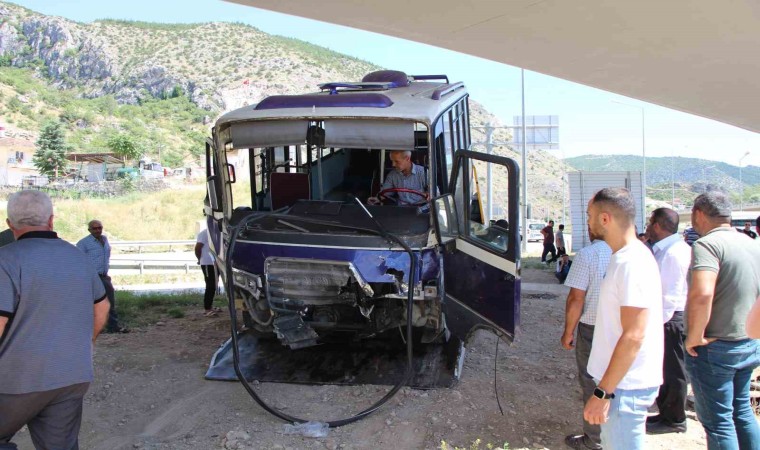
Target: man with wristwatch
{"x":627,"y":348}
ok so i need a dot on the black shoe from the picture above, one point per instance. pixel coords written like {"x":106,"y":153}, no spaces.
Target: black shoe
{"x":118,"y":330}
{"x":653,"y":419}
{"x":581,"y":442}
{"x":663,"y":427}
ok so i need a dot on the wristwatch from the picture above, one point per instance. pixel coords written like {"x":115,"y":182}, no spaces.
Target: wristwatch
{"x":601,"y":394}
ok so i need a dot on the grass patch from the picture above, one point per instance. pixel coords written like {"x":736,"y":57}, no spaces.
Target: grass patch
{"x":171,"y":214}
{"x":534,"y":262}
{"x":141,"y":310}
{"x":157,"y":278}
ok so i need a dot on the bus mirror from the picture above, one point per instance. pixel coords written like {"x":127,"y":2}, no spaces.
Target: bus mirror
{"x":212,"y":194}
{"x":444,"y":216}
{"x":231,"y":173}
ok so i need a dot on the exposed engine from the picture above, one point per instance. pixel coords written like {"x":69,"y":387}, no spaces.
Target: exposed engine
{"x":305,"y":302}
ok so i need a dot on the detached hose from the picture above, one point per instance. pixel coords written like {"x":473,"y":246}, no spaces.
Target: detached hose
{"x":233,"y":322}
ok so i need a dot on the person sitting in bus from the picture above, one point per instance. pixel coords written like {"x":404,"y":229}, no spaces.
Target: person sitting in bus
{"x":405,"y":176}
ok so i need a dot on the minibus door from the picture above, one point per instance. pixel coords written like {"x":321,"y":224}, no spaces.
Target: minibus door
{"x":213,"y":207}
{"x":476,"y":226}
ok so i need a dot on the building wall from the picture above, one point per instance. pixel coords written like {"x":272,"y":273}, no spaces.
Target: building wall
{"x":583,"y":186}
{"x":15,"y":163}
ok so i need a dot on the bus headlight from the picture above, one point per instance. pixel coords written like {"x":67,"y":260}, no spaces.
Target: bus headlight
{"x":247,"y":281}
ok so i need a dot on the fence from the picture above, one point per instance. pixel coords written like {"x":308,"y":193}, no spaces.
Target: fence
{"x":142,"y":263}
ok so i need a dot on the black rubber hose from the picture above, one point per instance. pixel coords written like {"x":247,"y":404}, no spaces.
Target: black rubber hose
{"x":233,"y":325}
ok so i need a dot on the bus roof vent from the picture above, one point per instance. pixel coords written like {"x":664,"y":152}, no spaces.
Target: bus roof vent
{"x":357,"y":100}
{"x":396,"y":77}
{"x":443,"y":78}
{"x":335,"y":86}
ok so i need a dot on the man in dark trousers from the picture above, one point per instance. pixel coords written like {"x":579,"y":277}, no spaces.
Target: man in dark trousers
{"x":51,"y":310}
{"x":548,"y":233}
{"x":673,"y":257}
{"x":98,"y":250}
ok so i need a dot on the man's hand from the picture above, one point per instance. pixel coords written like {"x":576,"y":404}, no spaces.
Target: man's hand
{"x":373,"y":201}
{"x":596,"y":410}
{"x":567,"y":341}
{"x":691,"y":343}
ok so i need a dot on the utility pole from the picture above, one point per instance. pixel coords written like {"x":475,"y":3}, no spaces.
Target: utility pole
{"x":489,"y":150}
{"x":673,"y":180}
{"x":644,"y":155}
{"x":741,"y":184}
{"x":524,"y":219}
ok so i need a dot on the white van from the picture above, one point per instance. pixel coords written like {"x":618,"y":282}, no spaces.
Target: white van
{"x":534,"y":231}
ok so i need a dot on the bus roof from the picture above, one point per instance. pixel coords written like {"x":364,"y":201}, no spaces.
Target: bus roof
{"x":419,"y":101}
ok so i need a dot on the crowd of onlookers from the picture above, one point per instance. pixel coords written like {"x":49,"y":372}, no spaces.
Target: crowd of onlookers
{"x":649,"y":313}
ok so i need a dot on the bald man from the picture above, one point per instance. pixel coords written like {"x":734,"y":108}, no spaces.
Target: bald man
{"x":406,"y":175}
{"x":97,"y":248}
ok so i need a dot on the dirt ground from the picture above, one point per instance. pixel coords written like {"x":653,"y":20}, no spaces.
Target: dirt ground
{"x":149,"y":393}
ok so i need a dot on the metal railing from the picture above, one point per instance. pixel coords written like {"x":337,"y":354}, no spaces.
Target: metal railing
{"x":154,"y":264}
{"x":142,"y":262}
{"x":140,"y":244}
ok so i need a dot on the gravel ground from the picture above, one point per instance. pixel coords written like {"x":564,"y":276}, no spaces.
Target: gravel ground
{"x":149,"y":393}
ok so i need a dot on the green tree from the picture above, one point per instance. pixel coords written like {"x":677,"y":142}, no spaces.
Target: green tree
{"x":50,"y":157}
{"x":125,"y":146}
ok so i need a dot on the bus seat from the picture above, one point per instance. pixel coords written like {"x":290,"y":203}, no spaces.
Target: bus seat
{"x":286,"y":188}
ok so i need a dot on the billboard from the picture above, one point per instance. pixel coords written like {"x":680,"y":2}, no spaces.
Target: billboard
{"x":542,"y":132}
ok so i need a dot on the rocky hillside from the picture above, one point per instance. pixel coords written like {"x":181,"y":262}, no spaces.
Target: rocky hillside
{"x":165,"y":83}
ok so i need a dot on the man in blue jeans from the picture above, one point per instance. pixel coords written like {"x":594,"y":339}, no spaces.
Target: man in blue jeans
{"x":725,"y":281}
{"x":627,"y":348}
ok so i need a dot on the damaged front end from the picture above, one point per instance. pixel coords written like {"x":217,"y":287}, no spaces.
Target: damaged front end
{"x":306,"y":301}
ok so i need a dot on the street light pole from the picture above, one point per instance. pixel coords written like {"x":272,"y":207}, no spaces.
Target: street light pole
{"x":524,"y":219}
{"x":644,"y":155}
{"x":741,"y":184}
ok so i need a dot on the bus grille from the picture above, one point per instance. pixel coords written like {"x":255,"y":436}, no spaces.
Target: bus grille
{"x":293,"y":284}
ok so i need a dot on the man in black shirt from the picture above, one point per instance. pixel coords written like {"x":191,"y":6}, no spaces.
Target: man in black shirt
{"x":748,"y":230}
{"x":548,"y":233}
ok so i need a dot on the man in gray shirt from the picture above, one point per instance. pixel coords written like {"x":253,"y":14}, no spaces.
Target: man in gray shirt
{"x":725,"y":281}
{"x":407,"y":176}
{"x":98,"y":251}
{"x":51,"y":310}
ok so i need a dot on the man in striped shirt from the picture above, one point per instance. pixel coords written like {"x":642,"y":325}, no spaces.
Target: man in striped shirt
{"x":406,"y":175}
{"x":98,"y":250}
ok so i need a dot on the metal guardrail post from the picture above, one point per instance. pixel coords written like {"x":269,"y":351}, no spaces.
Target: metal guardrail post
{"x":142,"y":264}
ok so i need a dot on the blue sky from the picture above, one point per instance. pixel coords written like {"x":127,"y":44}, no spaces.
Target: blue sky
{"x":590,"y":121}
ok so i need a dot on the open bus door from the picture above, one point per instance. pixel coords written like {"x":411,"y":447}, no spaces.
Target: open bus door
{"x":213,"y":207}
{"x":479,"y":235}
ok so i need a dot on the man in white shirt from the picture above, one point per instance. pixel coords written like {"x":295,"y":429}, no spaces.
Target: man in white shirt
{"x":585,"y":277}
{"x":626,"y":353}
{"x":673,"y":257}
{"x":206,"y":261}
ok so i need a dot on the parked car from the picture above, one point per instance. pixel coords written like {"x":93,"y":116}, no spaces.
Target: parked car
{"x":534,"y":231}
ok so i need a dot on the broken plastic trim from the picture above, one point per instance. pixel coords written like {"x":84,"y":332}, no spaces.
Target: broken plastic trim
{"x":233,"y":324}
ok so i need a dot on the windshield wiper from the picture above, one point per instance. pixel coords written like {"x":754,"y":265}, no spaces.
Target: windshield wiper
{"x":293,"y":226}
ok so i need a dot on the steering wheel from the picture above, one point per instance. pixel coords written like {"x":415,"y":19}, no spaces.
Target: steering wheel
{"x":382,"y":195}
